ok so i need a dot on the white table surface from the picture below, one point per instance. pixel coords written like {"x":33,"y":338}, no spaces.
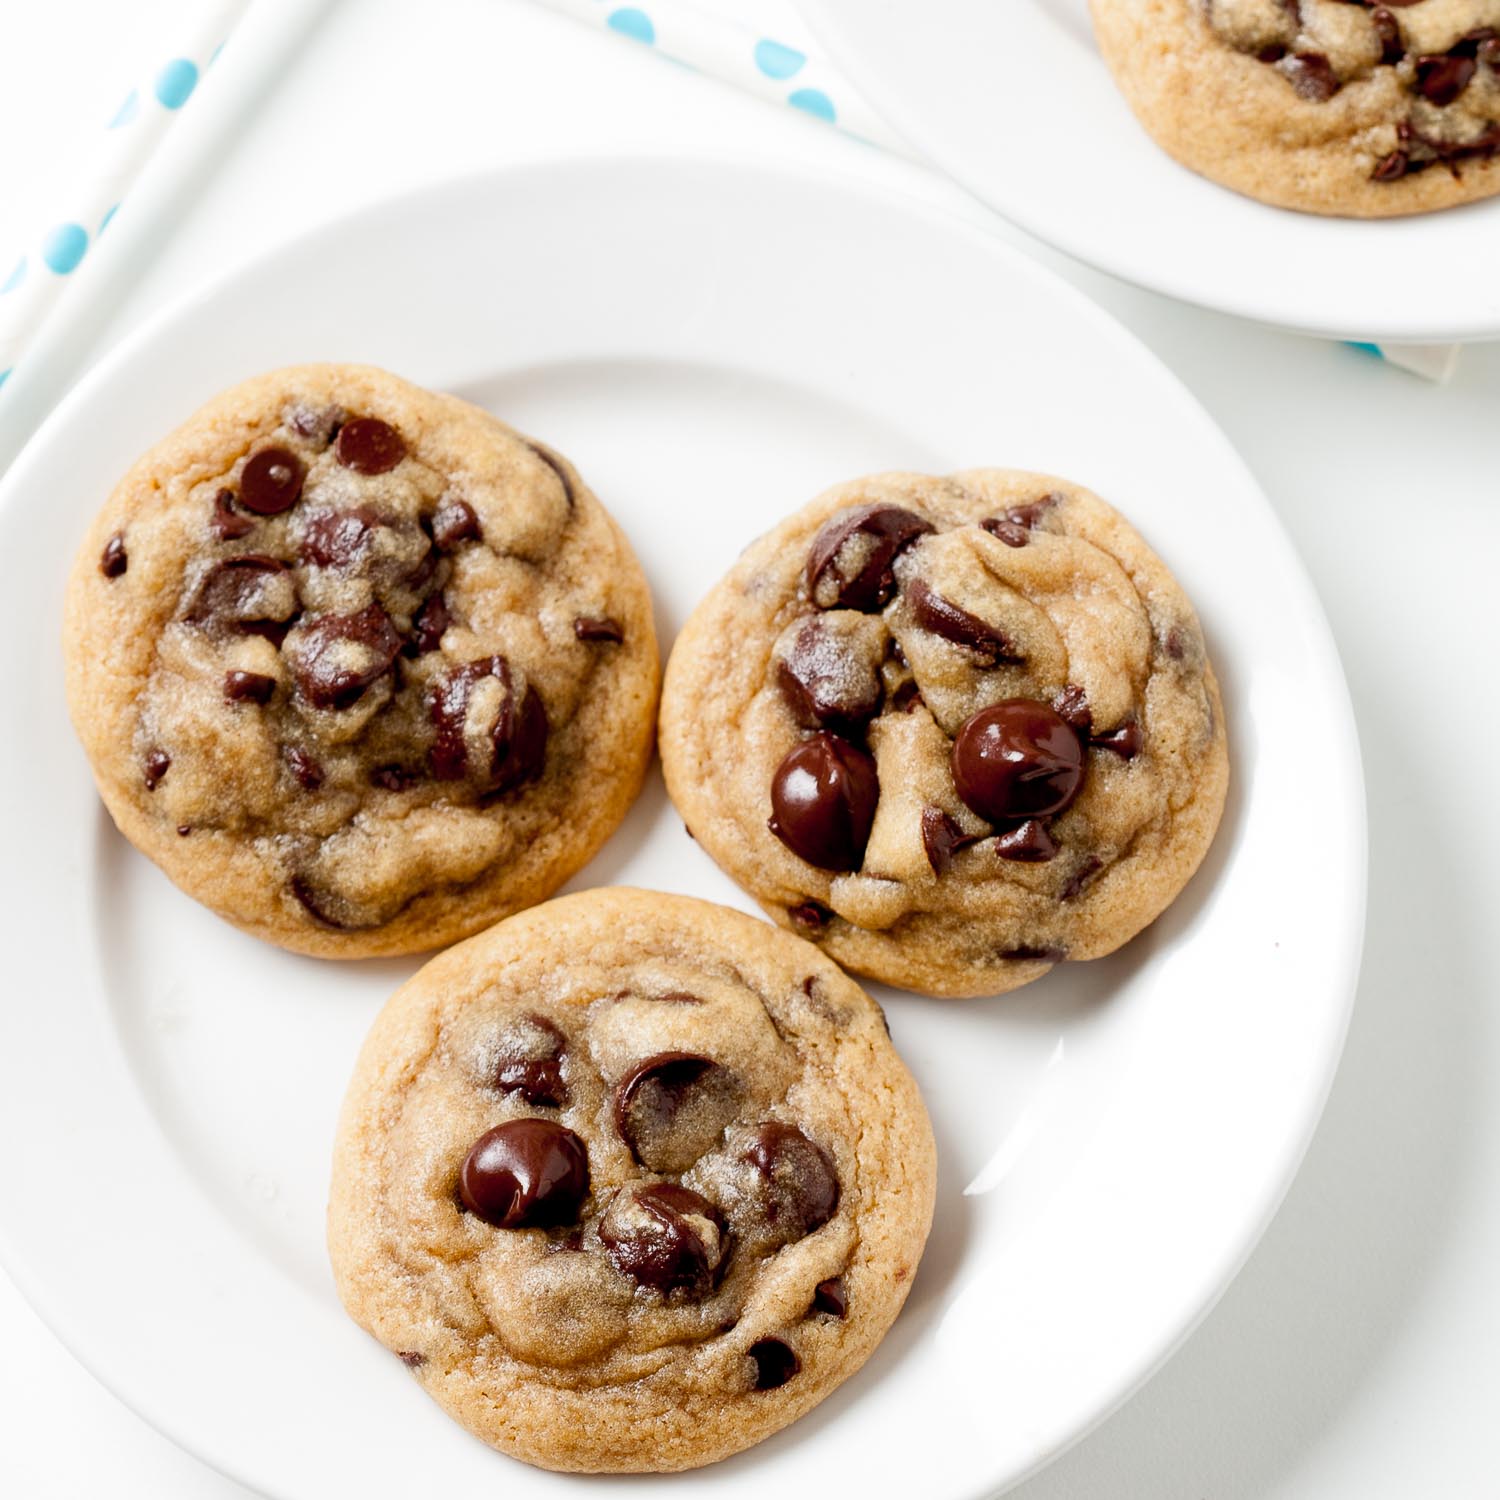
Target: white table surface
{"x":1358,"y":1354}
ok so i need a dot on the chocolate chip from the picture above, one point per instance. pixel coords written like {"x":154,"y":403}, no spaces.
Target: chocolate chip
{"x":411,"y":1359}
{"x":934,"y":613}
{"x":1441,"y":79}
{"x":792,"y":1187}
{"x":1388,"y":32}
{"x":1085,"y":873}
{"x":455,"y":522}
{"x":183,"y":829}
{"x":1489,"y":51}
{"x":525,"y":1174}
{"x":248,"y":687}
{"x":271,"y":481}
{"x":318,"y":425}
{"x":369,"y":446}
{"x":339,"y":657}
{"x":1017,"y":759}
{"x":775,"y":1363}
{"x":665,"y":1237}
{"x":335,"y":538}
{"x":824,"y":683}
{"x":849,"y":565}
{"x":233,"y":592}
{"x":517,"y":738}
{"x":528,"y":1061}
{"x":1176,"y":644}
{"x":599,"y":629}
{"x":1072,"y":705}
{"x":1030,"y":516}
{"x":1311,"y":75}
{"x":676,"y":997}
{"x":1028,"y":842}
{"x":906,"y":697}
{"x":942,"y":838}
{"x":1126,"y":741}
{"x":557,"y":468}
{"x":1392,"y":167}
{"x":394,"y":778}
{"x":227,"y":523}
{"x":113,"y":561}
{"x":823,"y":800}
{"x":673,"y":1107}
{"x":829,"y":1297}
{"x":431,"y":621}
{"x":810,"y":916}
{"x":315,"y":904}
{"x":1012,"y":533}
{"x":1028,"y":954}
{"x":158,"y":762}
{"x":308,"y":773}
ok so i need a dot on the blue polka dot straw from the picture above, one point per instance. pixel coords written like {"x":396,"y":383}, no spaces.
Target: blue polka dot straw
{"x":34,"y":277}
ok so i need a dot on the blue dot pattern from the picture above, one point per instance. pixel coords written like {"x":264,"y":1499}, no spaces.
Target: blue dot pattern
{"x":635,"y":24}
{"x":814,"y":102}
{"x":776,"y":60}
{"x":129,"y":108}
{"x":64,"y":247}
{"x":1366,"y":348}
{"x":176,"y":82}
{"x":4,"y":376}
{"x":104,"y":222}
{"x":16,"y":277}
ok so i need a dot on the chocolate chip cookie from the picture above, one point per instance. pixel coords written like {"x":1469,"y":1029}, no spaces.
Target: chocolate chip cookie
{"x":1365,"y":108}
{"x":629,"y":1182}
{"x":953,"y":730}
{"x":358,"y":666}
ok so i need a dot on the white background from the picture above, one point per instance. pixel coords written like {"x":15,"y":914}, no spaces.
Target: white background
{"x":1358,"y":1354}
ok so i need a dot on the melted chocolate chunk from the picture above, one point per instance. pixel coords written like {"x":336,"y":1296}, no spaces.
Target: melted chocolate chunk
{"x":811,"y":916}
{"x":823,"y":799}
{"x":1311,"y":75}
{"x":306,"y":771}
{"x":525,"y":1174}
{"x":517,"y":738}
{"x":227,"y":523}
{"x":850,"y":562}
{"x":529,"y":1059}
{"x":792,"y":1187}
{"x":665,"y":1237}
{"x":248,"y":687}
{"x":1441,"y":79}
{"x":232,"y":592}
{"x":775,"y":1363}
{"x":1012,"y":533}
{"x":600,"y":629}
{"x":336,"y":538}
{"x":1072,"y":707}
{"x":673,"y":1107}
{"x":113,"y":561}
{"x":427,"y":629}
{"x":1028,"y":842}
{"x":158,"y":763}
{"x":1017,"y":759}
{"x":455,"y":522}
{"x":942,"y":838}
{"x":829,"y":1297}
{"x":943,"y":618}
{"x":1085,"y":873}
{"x":369,"y":446}
{"x":271,"y":481}
{"x":823,"y":682}
{"x":1388,"y":30}
{"x":339,"y":657}
{"x":1126,"y":741}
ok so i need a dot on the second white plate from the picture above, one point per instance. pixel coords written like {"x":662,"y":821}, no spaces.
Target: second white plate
{"x":712,"y":344}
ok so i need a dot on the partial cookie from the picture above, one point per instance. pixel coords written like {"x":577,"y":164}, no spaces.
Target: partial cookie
{"x":629,"y":1182}
{"x":1331,"y":106}
{"x":953,"y":730}
{"x":358,"y":666}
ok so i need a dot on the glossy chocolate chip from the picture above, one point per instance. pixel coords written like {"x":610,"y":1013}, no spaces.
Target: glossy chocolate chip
{"x":336,"y":538}
{"x":113,"y":561}
{"x":233,"y":592}
{"x":455,"y":522}
{"x":673,"y":1107}
{"x":823,"y":800}
{"x":183,"y":829}
{"x":793,"y":1187}
{"x":1030,"y":515}
{"x":1072,"y":705}
{"x":528,"y":1061}
{"x":849,"y":565}
{"x":339,"y":657}
{"x":600,"y":628}
{"x":227,"y":523}
{"x":158,"y":763}
{"x":775,"y":1363}
{"x":1388,"y":32}
{"x":811,"y":916}
{"x":824,"y":683}
{"x":1391,"y":168}
{"x":517,"y":740}
{"x":1081,"y":877}
{"x":942,"y":838}
{"x":665,"y":1237}
{"x":427,"y":629}
{"x":271,"y":481}
{"x":1017,"y":759}
{"x":1012,"y":533}
{"x":369,"y":446}
{"x":307,"y":773}
{"x":1027,"y":843}
{"x":1126,"y":741}
{"x":943,"y":618}
{"x":829,"y":1297}
{"x":525,"y":1174}
{"x":248,"y":687}
{"x":1441,"y":79}
{"x":1311,"y":75}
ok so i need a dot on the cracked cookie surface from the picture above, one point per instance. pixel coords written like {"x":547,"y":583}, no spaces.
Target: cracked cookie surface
{"x":951,"y":729}
{"x":629,"y":1182}
{"x":358,"y":666}
{"x":1347,"y":107}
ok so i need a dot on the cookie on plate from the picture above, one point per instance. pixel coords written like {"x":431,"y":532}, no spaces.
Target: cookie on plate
{"x":954,"y":730}
{"x":358,"y":666}
{"x":629,"y":1182}
{"x":1331,"y":106}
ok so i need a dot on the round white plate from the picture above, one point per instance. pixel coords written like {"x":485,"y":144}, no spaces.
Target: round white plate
{"x":712,"y":344}
{"x":1012,"y":98}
